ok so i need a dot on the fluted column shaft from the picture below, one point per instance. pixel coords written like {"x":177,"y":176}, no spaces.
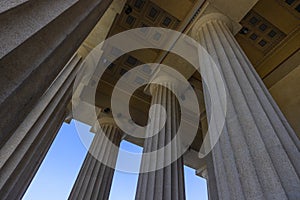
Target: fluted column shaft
{"x":26,"y":148}
{"x":95,"y":178}
{"x":37,"y":40}
{"x":166,"y":183}
{"x":257,"y":155}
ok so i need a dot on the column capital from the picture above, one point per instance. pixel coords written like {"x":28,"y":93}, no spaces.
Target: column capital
{"x":104,"y":119}
{"x":164,"y":76}
{"x":107,"y":120}
{"x":211,"y":17}
{"x":154,"y":180}
{"x":163,"y":80}
{"x":95,"y":177}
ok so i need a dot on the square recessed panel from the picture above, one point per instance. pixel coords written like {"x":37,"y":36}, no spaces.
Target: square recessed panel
{"x":131,"y":60}
{"x":123,"y":71}
{"x":253,"y":36}
{"x":272,"y":34}
{"x":139,"y":80}
{"x":111,"y":66}
{"x":153,"y":13}
{"x":167,"y":21}
{"x":298,"y":8}
{"x":116,"y":52}
{"x":147,"y":69}
{"x":253,"y":20}
{"x":139,"y":4}
{"x":290,"y":2}
{"x":157,"y":36}
{"x":144,"y":28}
{"x":262,"y":43}
{"x":130,"y":20}
{"x":263,"y":27}
{"x":262,"y":33}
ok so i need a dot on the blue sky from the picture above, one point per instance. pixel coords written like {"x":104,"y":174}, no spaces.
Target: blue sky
{"x":57,"y":174}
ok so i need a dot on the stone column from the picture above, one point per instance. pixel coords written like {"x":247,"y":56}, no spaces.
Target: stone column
{"x":37,"y":40}
{"x":22,"y":154}
{"x":257,"y":155}
{"x":206,"y":171}
{"x":95,"y":178}
{"x":166,"y":183}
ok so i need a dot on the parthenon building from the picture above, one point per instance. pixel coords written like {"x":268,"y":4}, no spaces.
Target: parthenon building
{"x":254,"y":44}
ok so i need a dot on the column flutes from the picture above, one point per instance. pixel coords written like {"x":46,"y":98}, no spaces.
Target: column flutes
{"x":166,"y":183}
{"x":257,"y":155}
{"x":95,"y":178}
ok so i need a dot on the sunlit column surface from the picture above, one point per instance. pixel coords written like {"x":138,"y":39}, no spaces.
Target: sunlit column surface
{"x":166,"y":183}
{"x":257,"y":155}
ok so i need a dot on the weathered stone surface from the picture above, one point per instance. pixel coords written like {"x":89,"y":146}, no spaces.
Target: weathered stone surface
{"x":6,"y":5}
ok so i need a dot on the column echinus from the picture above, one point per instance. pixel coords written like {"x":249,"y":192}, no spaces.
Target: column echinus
{"x":27,"y":146}
{"x":257,"y":155}
{"x":37,"y":40}
{"x":164,"y":183}
{"x":95,"y":177}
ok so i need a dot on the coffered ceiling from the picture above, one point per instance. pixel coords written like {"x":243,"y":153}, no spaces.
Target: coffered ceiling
{"x":269,"y":36}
